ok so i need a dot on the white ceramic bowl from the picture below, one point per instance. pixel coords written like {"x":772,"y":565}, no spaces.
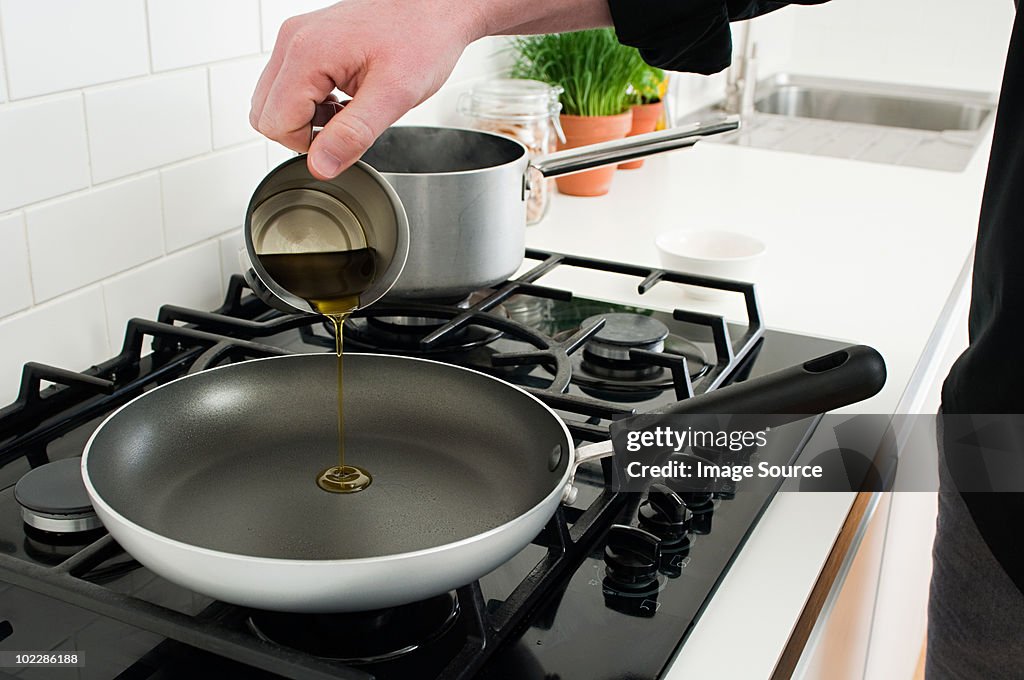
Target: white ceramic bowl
{"x":720,"y":254}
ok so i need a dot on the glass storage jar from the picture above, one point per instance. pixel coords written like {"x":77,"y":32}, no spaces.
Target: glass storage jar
{"x":525,"y":110}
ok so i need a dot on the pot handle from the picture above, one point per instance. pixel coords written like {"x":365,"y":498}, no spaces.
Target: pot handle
{"x":593,"y":156}
{"x":844,"y":377}
{"x":839,"y":379}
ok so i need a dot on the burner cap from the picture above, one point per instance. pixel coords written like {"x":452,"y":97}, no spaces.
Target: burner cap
{"x":53,"y":498}
{"x":360,"y":637}
{"x":621,"y":332}
{"x":628,"y":330}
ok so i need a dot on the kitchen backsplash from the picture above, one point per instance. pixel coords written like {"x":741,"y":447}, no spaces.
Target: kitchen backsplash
{"x":127,"y":161}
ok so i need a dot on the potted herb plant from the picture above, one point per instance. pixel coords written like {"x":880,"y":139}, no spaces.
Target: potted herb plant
{"x":645,"y":95}
{"x":594,"y":71}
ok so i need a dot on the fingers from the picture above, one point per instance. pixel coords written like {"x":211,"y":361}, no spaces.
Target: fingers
{"x":374,"y":107}
{"x":292,"y":100}
{"x":270,"y":71}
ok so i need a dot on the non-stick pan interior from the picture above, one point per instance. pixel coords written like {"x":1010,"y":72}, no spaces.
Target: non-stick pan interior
{"x":431,"y":150}
{"x":227,"y":459}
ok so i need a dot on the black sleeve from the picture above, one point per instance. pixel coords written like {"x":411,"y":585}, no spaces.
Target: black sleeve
{"x":686,"y":35}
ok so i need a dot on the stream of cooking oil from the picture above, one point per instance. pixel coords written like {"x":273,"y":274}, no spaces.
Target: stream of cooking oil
{"x":331,"y":283}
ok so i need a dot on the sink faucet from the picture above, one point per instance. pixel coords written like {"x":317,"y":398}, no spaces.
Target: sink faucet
{"x":741,"y":78}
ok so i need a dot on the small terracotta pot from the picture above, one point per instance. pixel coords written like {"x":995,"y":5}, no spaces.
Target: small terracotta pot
{"x":645,"y":119}
{"x":584,"y":130}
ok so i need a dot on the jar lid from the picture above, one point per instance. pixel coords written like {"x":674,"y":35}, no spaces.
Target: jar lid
{"x":510,"y":98}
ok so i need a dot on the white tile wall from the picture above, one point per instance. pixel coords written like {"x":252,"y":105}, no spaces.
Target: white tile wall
{"x":147,"y":123}
{"x":274,"y":12}
{"x":42,"y":150}
{"x":206,"y":197}
{"x":190,"y":32}
{"x":231,"y":86}
{"x":64,"y":44}
{"x":277,"y":154}
{"x":230,"y":244}
{"x":77,"y":240}
{"x":191,"y":278}
{"x":70,"y":333}
{"x":15,"y":286}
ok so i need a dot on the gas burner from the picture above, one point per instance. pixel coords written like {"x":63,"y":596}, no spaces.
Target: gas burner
{"x":605,"y":370}
{"x":53,"y":548}
{"x":402,"y":331}
{"x":623,"y":332}
{"x":53,"y":499}
{"x":361,"y":637}
{"x":531,"y":311}
{"x":403,"y":334}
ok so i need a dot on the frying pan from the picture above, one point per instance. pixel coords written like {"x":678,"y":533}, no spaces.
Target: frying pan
{"x":209,"y":480}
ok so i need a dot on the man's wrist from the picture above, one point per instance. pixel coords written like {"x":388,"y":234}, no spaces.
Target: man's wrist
{"x":510,"y":17}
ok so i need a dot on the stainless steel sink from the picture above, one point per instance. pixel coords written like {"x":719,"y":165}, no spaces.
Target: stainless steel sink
{"x":874,"y":122}
{"x":857,"y":103}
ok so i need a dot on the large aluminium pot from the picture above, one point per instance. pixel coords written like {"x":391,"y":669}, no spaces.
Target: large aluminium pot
{"x":465,"y":192}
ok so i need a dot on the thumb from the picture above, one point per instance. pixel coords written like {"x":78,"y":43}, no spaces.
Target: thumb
{"x":354,"y":128}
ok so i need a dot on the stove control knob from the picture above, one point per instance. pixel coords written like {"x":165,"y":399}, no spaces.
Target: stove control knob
{"x":665,"y":514}
{"x":697,"y":501}
{"x":631,"y":556}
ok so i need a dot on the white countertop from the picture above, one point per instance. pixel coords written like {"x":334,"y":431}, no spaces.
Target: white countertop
{"x":856,"y":251}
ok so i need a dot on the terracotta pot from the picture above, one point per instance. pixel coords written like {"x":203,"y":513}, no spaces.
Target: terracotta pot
{"x":584,"y":130}
{"x":645,"y":119}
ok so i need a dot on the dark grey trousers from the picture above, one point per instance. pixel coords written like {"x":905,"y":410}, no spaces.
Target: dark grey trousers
{"x":975,"y":612}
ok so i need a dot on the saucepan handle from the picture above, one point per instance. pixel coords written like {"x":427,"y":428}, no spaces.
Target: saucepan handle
{"x":839,"y":379}
{"x":323,"y":113}
{"x":630,"y":148}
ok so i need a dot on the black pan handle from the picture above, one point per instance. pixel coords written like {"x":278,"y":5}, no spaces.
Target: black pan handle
{"x":838,"y":379}
{"x":820,"y":385}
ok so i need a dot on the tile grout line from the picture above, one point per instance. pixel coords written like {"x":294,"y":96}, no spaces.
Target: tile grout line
{"x":106,"y":316}
{"x":209,"y":104}
{"x":28,"y":257}
{"x":163,"y":216}
{"x":149,"y":37}
{"x":5,"y":60}
{"x":88,"y":141}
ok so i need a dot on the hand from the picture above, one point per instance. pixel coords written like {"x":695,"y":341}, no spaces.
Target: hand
{"x":388,"y":55}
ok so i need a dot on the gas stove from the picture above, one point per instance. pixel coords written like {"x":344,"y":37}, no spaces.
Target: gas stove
{"x":610,"y":589}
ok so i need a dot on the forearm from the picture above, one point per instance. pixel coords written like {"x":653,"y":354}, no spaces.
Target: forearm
{"x":521,"y":17}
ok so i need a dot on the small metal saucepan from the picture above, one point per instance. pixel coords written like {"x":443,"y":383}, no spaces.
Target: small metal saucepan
{"x":293,"y":212}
